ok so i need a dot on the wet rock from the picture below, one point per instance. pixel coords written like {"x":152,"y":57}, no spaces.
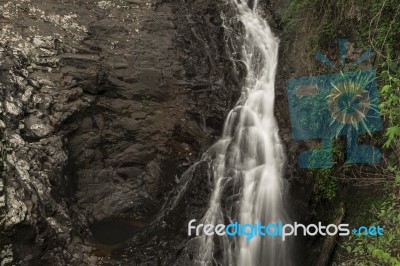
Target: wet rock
{"x":105,"y":105}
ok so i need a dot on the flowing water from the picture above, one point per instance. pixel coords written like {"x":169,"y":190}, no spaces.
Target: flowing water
{"x":250,"y":156}
{"x":247,"y":162}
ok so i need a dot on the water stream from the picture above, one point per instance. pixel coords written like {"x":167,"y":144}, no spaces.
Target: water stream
{"x":248,"y":160}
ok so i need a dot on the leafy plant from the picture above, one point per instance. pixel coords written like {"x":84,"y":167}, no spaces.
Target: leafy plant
{"x":377,"y":250}
{"x":390,"y":96}
{"x":325,"y":184}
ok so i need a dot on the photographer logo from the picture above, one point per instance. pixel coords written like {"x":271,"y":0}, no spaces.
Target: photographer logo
{"x":339,"y":104}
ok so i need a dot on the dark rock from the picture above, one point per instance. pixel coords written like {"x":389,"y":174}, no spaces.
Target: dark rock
{"x":103,"y":112}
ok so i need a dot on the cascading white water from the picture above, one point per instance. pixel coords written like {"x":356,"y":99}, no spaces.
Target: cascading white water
{"x":249,"y":156}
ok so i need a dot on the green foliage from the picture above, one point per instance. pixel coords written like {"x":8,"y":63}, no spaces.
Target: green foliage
{"x":371,"y":24}
{"x":394,"y":170}
{"x":381,"y":25}
{"x":391,"y":133}
{"x":325,"y":184}
{"x":390,"y":101}
{"x":295,"y":7}
{"x":377,"y":250}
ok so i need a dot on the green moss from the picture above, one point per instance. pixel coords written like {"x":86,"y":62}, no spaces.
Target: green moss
{"x":146,"y":101}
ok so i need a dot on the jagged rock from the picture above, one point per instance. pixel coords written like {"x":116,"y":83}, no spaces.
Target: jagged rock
{"x":35,"y":126}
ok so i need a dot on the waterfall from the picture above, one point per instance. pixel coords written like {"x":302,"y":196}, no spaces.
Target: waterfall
{"x":247,"y":162}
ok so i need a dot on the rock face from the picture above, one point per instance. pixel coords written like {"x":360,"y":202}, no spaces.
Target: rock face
{"x":104,"y":105}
